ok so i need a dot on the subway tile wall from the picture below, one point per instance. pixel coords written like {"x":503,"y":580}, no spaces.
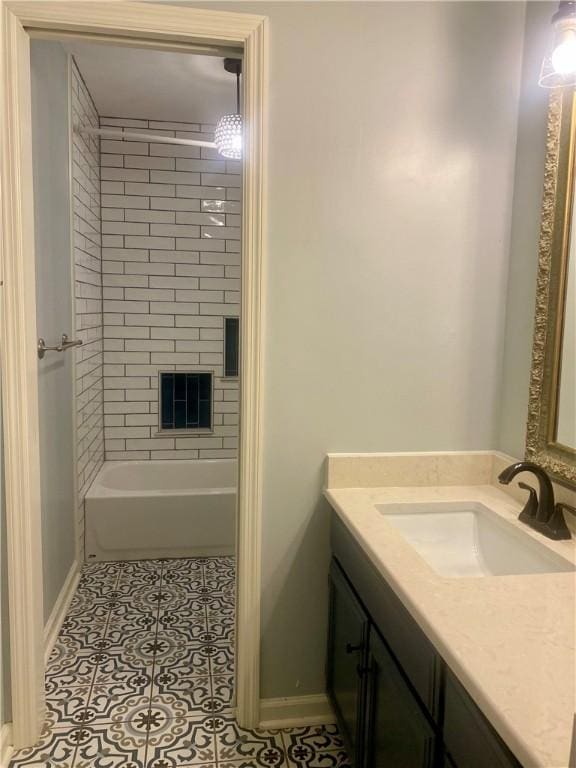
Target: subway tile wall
{"x":171,"y":274}
{"x":89,"y":416}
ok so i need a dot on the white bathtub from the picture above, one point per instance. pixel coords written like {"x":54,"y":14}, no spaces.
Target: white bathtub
{"x":149,"y":509}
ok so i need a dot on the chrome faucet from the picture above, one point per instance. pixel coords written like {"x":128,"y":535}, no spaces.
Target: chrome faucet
{"x":540,"y":511}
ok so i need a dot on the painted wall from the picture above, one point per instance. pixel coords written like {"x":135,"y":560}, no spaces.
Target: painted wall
{"x":49,"y":67}
{"x":171,"y":264}
{"x":392,"y":146}
{"x":89,"y":367}
{"x":528,"y":185}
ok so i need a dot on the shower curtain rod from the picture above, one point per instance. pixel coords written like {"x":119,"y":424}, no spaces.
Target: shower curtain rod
{"x":110,"y":133}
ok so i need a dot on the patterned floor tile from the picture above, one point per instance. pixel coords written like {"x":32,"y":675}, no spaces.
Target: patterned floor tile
{"x":264,"y":748}
{"x":188,"y":694}
{"x":125,"y":622}
{"x":115,"y":702}
{"x":176,"y":597}
{"x":179,"y":663}
{"x":221,"y":659}
{"x":222,"y":628}
{"x":137,"y":648}
{"x":56,"y":749}
{"x":66,"y":705}
{"x":177,"y":742}
{"x":182,"y":620}
{"x":321,"y":737}
{"x":112,"y":745}
{"x":222,"y":692}
{"x":71,"y":664}
{"x":142,"y":676}
{"x":194,"y":566}
{"x":114,"y":667}
{"x":303,"y":758}
{"x":249,"y":763}
{"x":212,"y":604}
{"x":86,"y":628}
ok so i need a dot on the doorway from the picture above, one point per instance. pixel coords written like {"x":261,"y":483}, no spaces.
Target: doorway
{"x":156,"y":28}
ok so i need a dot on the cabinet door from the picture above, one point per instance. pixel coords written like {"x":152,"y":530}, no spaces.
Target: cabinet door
{"x":347,"y":640}
{"x":469,"y":738}
{"x":398,"y":734}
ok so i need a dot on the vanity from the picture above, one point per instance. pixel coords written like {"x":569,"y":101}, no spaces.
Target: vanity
{"x":451,"y":624}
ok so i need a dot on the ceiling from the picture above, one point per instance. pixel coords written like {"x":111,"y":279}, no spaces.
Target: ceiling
{"x":155,"y":85}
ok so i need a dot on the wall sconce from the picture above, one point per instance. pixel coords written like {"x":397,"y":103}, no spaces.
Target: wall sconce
{"x":559,"y":69}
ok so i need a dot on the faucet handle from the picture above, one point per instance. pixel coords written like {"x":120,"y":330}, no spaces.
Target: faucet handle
{"x":563,"y":507}
{"x":531,"y":506}
{"x":557,"y":524}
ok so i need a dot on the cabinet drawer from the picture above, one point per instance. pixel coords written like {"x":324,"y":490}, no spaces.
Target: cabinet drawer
{"x":469,"y":738}
{"x":412,"y":649}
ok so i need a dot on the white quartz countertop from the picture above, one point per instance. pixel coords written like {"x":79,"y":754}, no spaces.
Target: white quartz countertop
{"x":509,"y":639}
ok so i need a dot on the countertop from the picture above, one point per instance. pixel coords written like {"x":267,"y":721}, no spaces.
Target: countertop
{"x":509,"y":639}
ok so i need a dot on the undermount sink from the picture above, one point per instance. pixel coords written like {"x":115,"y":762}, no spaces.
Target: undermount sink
{"x":462,"y":539}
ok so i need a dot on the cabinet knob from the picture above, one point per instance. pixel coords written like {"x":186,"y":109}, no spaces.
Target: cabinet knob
{"x":350,"y":648}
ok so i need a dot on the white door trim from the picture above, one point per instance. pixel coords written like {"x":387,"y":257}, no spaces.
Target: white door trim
{"x":160,"y":25}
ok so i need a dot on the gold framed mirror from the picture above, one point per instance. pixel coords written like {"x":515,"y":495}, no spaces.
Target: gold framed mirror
{"x":551,"y":429}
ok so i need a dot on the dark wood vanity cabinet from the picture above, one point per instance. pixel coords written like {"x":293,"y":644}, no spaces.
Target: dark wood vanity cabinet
{"x":397,"y":733}
{"x":397,"y":703}
{"x":347,"y":644}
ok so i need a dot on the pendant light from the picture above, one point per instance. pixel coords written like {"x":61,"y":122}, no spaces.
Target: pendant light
{"x":559,"y":69}
{"x":228,"y":133}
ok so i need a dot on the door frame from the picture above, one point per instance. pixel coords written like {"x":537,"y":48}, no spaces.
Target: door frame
{"x":156,"y":26}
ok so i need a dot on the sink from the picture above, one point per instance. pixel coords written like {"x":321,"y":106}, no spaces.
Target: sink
{"x":467,"y":538}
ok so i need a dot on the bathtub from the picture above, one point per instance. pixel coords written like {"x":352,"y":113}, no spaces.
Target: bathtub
{"x":150,"y":509}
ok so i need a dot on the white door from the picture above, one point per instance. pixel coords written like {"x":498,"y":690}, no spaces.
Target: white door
{"x":50,"y":137}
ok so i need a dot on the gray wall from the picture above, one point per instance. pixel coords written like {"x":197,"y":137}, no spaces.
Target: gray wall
{"x":392,"y":147}
{"x":528,"y":185}
{"x":54,"y":310}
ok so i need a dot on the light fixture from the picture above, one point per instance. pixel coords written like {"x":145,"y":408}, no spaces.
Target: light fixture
{"x":228,"y":133}
{"x":559,"y":69}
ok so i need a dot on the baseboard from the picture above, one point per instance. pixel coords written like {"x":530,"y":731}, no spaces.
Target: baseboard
{"x":296,"y":711}
{"x":6,"y":748}
{"x":56,"y":618}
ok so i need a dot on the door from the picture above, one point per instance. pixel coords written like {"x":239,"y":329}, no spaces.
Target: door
{"x":347,"y":639}
{"x":50,"y":138}
{"x":398,"y":735}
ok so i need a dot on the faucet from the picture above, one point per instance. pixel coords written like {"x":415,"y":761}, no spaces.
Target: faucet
{"x":540,"y":511}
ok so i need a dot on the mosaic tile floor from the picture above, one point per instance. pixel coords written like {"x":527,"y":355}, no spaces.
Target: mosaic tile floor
{"x":142,"y":677}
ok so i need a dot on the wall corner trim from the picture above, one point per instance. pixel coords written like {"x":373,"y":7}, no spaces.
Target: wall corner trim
{"x":6,"y":748}
{"x":56,"y":618}
{"x":296,"y":711}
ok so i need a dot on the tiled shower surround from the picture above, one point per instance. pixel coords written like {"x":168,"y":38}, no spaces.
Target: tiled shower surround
{"x":171,"y":275}
{"x":142,"y":677}
{"x":88,"y":383}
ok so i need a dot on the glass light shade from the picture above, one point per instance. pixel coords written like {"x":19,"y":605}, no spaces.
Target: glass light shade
{"x":559,"y":69}
{"x":228,"y":136}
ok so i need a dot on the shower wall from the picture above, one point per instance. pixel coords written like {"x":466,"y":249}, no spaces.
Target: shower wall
{"x":88,"y":294}
{"x":171,"y":275}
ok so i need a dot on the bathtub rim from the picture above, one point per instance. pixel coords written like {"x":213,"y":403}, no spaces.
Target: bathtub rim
{"x":98,"y":490}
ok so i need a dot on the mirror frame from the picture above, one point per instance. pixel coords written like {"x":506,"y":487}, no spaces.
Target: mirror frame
{"x":557,"y":206}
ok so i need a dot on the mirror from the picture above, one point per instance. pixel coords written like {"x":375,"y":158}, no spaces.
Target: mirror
{"x":551,"y":433}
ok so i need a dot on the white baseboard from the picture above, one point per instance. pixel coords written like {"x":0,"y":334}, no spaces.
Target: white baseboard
{"x":6,"y":748}
{"x":296,"y":711}
{"x":56,"y":618}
